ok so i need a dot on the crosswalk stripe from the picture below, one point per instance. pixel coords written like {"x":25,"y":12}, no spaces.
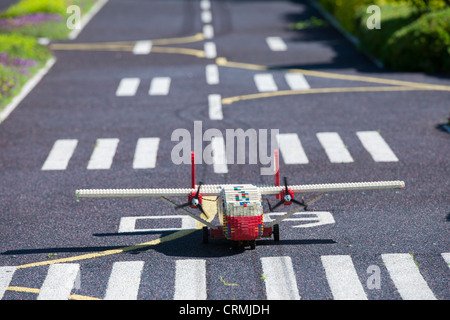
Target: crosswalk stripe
{"x":212,"y":74}
{"x":124,"y":281}
{"x":128,"y":87}
{"x":276,"y":44}
{"x":103,"y":154}
{"x":297,"y":81}
{"x":265,"y":82}
{"x":342,"y":278}
{"x":215,"y":107}
{"x":334,"y":147}
{"x":190,"y":279}
{"x":219,"y":155}
{"x":59,"y":281}
{"x":374,"y":143}
{"x":159,"y":86}
{"x":60,"y":154}
{"x":6,"y":274}
{"x":146,"y":153}
{"x":406,"y":277}
{"x":210,"y":50}
{"x":142,"y":47}
{"x":291,"y":149}
{"x":279,"y":278}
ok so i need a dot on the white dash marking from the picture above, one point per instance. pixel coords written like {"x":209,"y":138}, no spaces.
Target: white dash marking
{"x":103,"y":154}
{"x":190,"y":280}
{"x":406,"y":277}
{"x":374,"y":143}
{"x":208,"y":31}
{"x":210,"y":50}
{"x":446,"y":256}
{"x":265,"y":82}
{"x":159,"y":86}
{"x":128,"y":87}
{"x":215,"y":107}
{"x":142,"y":47}
{"x":342,"y":278}
{"x":276,"y":44}
{"x":124,"y":281}
{"x":334,"y":147}
{"x":60,"y":154}
{"x":291,"y":149}
{"x":59,"y":281}
{"x":206,"y":16}
{"x":279,"y":278}
{"x":297,"y":81}
{"x":205,"y":4}
{"x":146,"y":153}
{"x":6,"y":274}
{"x":212,"y":74}
{"x":219,"y":155}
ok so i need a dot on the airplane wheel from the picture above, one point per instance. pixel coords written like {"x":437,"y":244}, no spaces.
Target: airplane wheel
{"x":252,"y":244}
{"x":205,"y":234}
{"x":276,"y":232}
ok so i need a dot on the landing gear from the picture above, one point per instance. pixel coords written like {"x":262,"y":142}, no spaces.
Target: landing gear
{"x":276,"y":232}
{"x":205,"y":234}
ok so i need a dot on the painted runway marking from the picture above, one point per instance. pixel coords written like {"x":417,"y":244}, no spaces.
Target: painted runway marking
{"x":291,"y":149}
{"x":215,"y":107}
{"x":374,"y":143}
{"x":210,"y":50}
{"x":124,"y":280}
{"x":160,"y":86}
{"x":206,"y":16}
{"x":406,"y":276}
{"x":208,"y":31}
{"x":276,"y":44}
{"x":6,"y":274}
{"x":142,"y":47}
{"x":279,"y":278}
{"x":59,"y":281}
{"x":205,"y":4}
{"x":103,"y":154}
{"x":128,"y":224}
{"x":190,"y":280}
{"x":219,"y":155}
{"x":146,"y":153}
{"x":128,"y":87}
{"x":342,"y":278}
{"x":212,"y":74}
{"x":446,"y":256}
{"x":265,"y":82}
{"x":60,"y":155}
{"x":297,"y":81}
{"x":334,"y":147}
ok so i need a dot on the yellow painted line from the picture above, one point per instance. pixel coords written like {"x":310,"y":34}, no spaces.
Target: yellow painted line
{"x":261,"y":95}
{"x":74,"y":47}
{"x":192,"y":52}
{"x":36,"y":291}
{"x":225,"y":63}
{"x":190,"y":39}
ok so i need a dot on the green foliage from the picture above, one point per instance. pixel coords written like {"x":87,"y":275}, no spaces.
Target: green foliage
{"x":345,"y":10}
{"x":19,"y":46}
{"x":25,"y":7}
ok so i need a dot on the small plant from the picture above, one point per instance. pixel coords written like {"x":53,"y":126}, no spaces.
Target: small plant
{"x":227,"y":283}
{"x":314,"y":22}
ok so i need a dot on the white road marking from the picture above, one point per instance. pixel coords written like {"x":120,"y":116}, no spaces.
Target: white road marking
{"x":334,"y":147}
{"x":314,"y":218}
{"x":142,"y":47}
{"x":374,"y":143}
{"x":212,"y":74}
{"x":123,"y":283}
{"x":59,"y":281}
{"x":276,"y":44}
{"x":406,"y":277}
{"x":190,"y":280}
{"x":6,"y":274}
{"x":60,"y":155}
{"x":205,"y":4}
{"x":210,"y":50}
{"x":206,"y":16}
{"x":219,"y":155}
{"x":208,"y":31}
{"x":215,"y":107}
{"x":128,"y":87}
{"x":103,"y":154}
{"x":279,"y":278}
{"x":297,"y":81}
{"x":159,"y":86}
{"x":265,"y":82}
{"x":291,"y":149}
{"x":342,"y":278}
{"x":146,"y":153}
{"x":446,"y":256}
{"x":128,"y":224}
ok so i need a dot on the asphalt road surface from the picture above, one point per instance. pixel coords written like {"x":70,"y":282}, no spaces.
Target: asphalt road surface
{"x":104,"y":115}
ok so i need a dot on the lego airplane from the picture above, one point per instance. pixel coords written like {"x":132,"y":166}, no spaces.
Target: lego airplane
{"x":240,"y":206}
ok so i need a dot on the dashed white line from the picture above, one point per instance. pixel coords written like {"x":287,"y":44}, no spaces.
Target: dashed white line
{"x":124,"y":281}
{"x":265,"y":82}
{"x":210,"y":50}
{"x":59,"y":281}
{"x":60,"y":154}
{"x":342,"y":278}
{"x":374,"y":143}
{"x":208,"y":31}
{"x":142,"y":47}
{"x":406,"y":276}
{"x":279,"y":278}
{"x":297,"y":81}
{"x":103,"y":154}
{"x":219,"y":155}
{"x":291,"y":149}
{"x":334,"y":147}
{"x":146,"y":153}
{"x":215,"y":107}
{"x":205,"y":4}
{"x":190,"y":279}
{"x":160,"y":86}
{"x":212,"y":74}
{"x":6,"y":274}
{"x":276,"y":44}
{"x":128,"y":87}
{"x":206,"y":16}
